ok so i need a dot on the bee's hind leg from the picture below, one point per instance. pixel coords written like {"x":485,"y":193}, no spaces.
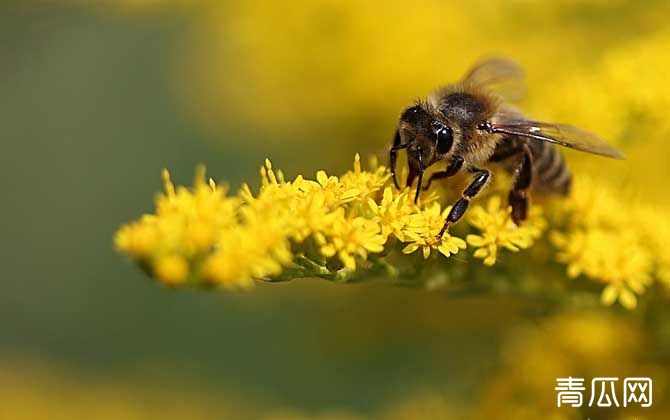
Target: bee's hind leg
{"x":461,"y":205}
{"x":523,"y":178}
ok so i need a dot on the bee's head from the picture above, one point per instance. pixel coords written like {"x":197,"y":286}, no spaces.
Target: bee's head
{"x":464,"y":112}
{"x":423,"y":129}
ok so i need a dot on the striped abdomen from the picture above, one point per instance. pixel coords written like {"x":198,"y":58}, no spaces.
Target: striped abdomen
{"x":552,"y":174}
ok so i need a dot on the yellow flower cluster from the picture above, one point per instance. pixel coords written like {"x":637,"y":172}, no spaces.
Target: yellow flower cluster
{"x":421,"y":231}
{"x":184,"y":227}
{"x":302,"y":227}
{"x":330,"y":225}
{"x":499,"y":231}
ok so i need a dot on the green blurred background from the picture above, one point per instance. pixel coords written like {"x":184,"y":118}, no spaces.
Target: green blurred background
{"x":96,"y":98}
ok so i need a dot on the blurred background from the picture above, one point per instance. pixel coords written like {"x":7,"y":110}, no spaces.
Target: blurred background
{"x":97,"y":96}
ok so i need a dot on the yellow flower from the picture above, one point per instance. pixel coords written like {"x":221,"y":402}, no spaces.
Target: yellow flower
{"x":188,"y":221}
{"x":366,"y":183}
{"x":335,"y":192}
{"x":347,"y":239}
{"x":497,"y":230}
{"x":422,"y":229}
{"x":393,"y":212}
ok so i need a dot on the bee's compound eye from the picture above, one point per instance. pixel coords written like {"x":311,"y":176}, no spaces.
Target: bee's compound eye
{"x":412,"y":114}
{"x":445,"y":139}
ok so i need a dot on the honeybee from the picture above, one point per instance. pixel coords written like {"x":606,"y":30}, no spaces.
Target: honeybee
{"x":470,"y":123}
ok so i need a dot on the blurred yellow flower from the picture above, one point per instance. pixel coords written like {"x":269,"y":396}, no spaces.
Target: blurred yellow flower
{"x":171,"y":269}
{"x":256,"y":249}
{"x":611,"y":257}
{"x":612,"y":240}
{"x":137,"y":239}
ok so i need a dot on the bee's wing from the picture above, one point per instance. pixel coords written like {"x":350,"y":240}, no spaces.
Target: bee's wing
{"x":561,"y":134}
{"x":499,"y":75}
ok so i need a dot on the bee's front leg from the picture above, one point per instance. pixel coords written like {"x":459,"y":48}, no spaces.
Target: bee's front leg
{"x":458,"y":209}
{"x":393,"y":155}
{"x":421,"y":169}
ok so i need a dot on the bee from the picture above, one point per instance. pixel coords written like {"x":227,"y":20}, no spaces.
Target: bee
{"x":471,"y":123}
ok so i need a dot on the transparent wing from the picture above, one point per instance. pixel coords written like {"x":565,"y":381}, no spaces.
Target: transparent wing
{"x":561,"y":134}
{"x":499,"y":75}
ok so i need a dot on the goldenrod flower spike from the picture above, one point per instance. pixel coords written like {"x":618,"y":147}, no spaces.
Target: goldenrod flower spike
{"x":358,"y":226}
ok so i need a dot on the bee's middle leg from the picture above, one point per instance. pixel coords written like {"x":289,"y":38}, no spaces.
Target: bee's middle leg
{"x":523,"y":178}
{"x":453,"y":168}
{"x":461,"y":205}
